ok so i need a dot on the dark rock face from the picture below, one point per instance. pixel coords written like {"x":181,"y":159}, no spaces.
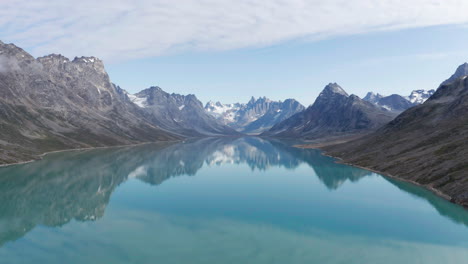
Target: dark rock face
{"x":256,"y":116}
{"x":461,"y":71}
{"x":334,"y":113}
{"x":395,"y":103}
{"x":179,"y":114}
{"x":52,"y":103}
{"x":427,"y":144}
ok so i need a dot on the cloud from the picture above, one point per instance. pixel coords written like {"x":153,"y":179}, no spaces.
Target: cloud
{"x":117,"y":30}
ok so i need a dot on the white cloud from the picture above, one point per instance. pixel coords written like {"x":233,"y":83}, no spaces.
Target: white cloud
{"x":128,"y":29}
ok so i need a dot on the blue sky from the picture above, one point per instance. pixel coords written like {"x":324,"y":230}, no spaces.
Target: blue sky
{"x":385,"y":62}
{"x":231,"y":50}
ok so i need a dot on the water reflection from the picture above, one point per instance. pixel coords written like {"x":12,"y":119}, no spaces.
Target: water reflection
{"x":78,"y":185}
{"x":445,"y":208}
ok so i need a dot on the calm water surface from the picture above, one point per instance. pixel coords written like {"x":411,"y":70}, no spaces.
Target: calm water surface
{"x":243,"y":200}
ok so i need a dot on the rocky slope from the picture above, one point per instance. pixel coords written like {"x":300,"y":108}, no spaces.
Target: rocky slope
{"x":426,"y":144}
{"x":181,"y":114}
{"x":333,"y":114}
{"x":53,"y":103}
{"x":256,"y":116}
{"x":460,"y":72}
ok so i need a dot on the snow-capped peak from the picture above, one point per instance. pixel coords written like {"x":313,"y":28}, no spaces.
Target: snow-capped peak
{"x":227,"y":111}
{"x":420,"y":96}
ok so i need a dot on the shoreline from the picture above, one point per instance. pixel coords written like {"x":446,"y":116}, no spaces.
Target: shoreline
{"x":384,"y":174}
{"x":42,"y":155}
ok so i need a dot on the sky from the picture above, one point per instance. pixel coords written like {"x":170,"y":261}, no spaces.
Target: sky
{"x":228,"y":51}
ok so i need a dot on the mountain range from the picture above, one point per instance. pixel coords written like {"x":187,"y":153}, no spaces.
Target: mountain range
{"x":257,"y":116}
{"x":53,"y":103}
{"x":397,"y":103}
{"x":180,"y":114}
{"x":333,"y":114}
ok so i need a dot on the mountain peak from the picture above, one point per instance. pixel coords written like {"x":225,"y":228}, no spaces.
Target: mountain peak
{"x":373,"y":97}
{"x":252,"y":100}
{"x":332,"y":89}
{"x":461,"y":71}
{"x":11,"y":50}
{"x":420,"y":96}
{"x":84,"y":59}
{"x":51,"y":58}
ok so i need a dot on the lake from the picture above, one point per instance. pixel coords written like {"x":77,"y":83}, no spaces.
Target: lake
{"x":219,"y":200}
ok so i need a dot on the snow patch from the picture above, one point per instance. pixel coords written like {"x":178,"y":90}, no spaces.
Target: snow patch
{"x":139,"y":101}
{"x":420,"y":96}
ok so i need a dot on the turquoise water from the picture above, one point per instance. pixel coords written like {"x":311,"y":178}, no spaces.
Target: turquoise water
{"x":244,"y":200}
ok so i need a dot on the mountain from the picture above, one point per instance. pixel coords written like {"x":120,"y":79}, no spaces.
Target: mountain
{"x":256,"y":116}
{"x":397,"y":103}
{"x":179,"y":114}
{"x":373,"y":97}
{"x":426,"y":144}
{"x":420,"y":96}
{"x":333,"y":114}
{"x":460,"y":72}
{"x":53,"y":103}
{"x":393,"y":103}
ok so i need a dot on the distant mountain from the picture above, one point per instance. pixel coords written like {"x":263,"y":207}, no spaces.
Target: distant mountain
{"x":53,"y":103}
{"x":180,"y":114}
{"x":420,"y":96}
{"x":426,"y":144}
{"x":373,"y":97}
{"x":397,"y":103}
{"x":393,"y":103}
{"x":256,"y":116}
{"x":333,"y":114}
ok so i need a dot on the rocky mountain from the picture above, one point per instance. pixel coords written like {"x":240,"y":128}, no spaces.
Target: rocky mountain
{"x":373,"y":97}
{"x":420,"y":96}
{"x":393,"y":103}
{"x":256,"y":116}
{"x":53,"y":103}
{"x":333,"y":114}
{"x":460,"y":72}
{"x":179,"y":114}
{"x":397,"y":103}
{"x":427,"y":144}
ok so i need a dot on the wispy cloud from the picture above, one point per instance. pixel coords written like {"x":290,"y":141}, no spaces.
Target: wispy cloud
{"x":118,"y":30}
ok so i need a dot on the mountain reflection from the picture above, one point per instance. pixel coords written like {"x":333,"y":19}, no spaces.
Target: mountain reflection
{"x":78,"y":185}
